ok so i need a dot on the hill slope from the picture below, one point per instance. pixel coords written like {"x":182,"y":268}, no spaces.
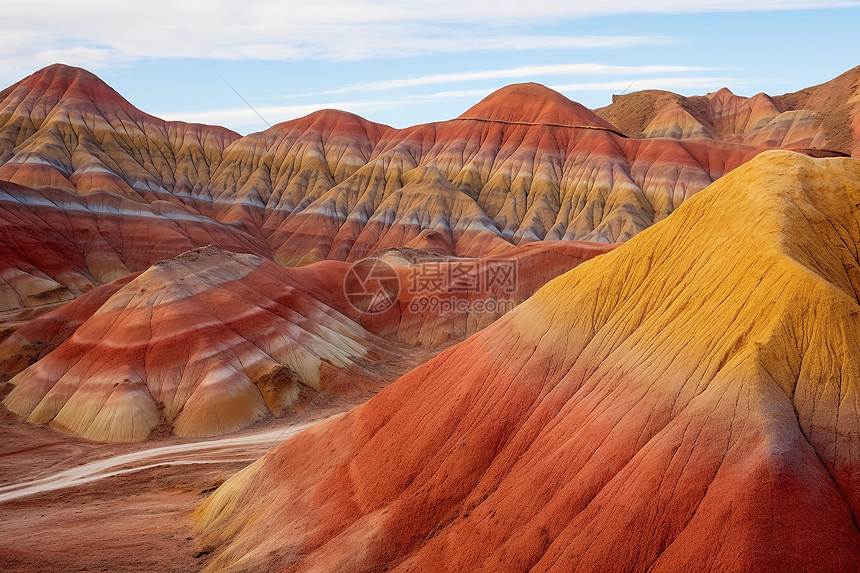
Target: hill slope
{"x":685,"y":402}
{"x":825,"y":117}
{"x":206,"y":343}
{"x":92,"y":189}
{"x":196,"y":334}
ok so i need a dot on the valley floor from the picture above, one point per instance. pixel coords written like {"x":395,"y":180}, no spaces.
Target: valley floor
{"x":68,"y":504}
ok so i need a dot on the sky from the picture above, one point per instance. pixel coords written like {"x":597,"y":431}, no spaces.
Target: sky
{"x":248,"y":64}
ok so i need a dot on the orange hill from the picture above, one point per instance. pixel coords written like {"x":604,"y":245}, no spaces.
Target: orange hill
{"x":200,"y":342}
{"x":821,"y":119}
{"x":206,"y":343}
{"x":685,"y":402}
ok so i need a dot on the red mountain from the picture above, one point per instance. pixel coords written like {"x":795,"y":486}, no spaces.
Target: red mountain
{"x":92,"y":189}
{"x":824,"y":118}
{"x":685,"y":402}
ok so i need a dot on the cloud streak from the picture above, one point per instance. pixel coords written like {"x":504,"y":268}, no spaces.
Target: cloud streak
{"x":512,"y":73}
{"x":317,"y":38}
{"x":98,"y":33}
{"x":247,"y":117}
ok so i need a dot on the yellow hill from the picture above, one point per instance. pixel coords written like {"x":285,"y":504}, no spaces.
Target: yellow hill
{"x":697,"y":410}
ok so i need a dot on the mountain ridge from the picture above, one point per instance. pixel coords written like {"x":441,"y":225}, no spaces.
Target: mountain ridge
{"x":94,"y":169}
{"x":678,"y":381}
{"x":823,"y":117}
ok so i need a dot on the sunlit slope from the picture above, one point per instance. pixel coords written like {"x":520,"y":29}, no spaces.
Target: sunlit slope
{"x":211,"y":341}
{"x":92,"y":189}
{"x":685,"y":402}
{"x":524,"y":164}
{"x":822,"y":119}
{"x":205,"y":343}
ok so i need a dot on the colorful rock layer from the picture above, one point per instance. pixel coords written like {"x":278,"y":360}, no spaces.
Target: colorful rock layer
{"x":821,"y":120}
{"x":685,"y":402}
{"x":92,"y":189}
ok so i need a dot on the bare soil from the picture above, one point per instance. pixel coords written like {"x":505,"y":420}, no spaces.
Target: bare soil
{"x":141,"y":519}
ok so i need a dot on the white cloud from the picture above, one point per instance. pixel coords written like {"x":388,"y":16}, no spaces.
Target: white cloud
{"x":247,"y":117}
{"x":626,"y":85}
{"x":639,"y":84}
{"x":512,"y":73}
{"x":101,"y":32}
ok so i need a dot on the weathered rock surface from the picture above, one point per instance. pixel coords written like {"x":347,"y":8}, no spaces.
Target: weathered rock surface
{"x":818,"y":120}
{"x":207,"y":342}
{"x":92,"y":189}
{"x":687,"y":401}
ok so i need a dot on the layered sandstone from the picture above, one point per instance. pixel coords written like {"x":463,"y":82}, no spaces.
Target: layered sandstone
{"x":206,"y":343}
{"x":92,"y":189}
{"x":823,"y":119}
{"x":687,"y":401}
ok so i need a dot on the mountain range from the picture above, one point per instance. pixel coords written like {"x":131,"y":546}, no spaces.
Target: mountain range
{"x":82,"y":168}
{"x":662,"y":376}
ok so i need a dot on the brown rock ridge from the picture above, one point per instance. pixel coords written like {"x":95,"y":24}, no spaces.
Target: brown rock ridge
{"x":821,"y":118}
{"x":685,"y":402}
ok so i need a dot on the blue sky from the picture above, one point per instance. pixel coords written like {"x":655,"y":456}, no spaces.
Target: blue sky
{"x":403,"y":63}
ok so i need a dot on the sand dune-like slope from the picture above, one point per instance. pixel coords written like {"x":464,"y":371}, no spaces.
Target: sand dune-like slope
{"x":823,"y":118}
{"x":685,"y":402}
{"x":206,"y":343}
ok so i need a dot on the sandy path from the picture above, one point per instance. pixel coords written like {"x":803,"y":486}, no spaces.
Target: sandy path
{"x":242,"y":448}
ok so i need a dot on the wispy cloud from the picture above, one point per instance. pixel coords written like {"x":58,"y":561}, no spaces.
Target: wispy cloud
{"x":240,"y":117}
{"x":246,"y":116}
{"x":512,"y":73}
{"x":98,"y":33}
{"x":625,"y":85}
{"x":663,"y":83}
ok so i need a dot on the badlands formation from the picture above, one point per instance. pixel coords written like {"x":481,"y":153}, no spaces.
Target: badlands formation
{"x":94,"y":189}
{"x":685,"y":402}
{"x":665,"y":380}
{"x":209,"y":342}
{"x":824,"y":118}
